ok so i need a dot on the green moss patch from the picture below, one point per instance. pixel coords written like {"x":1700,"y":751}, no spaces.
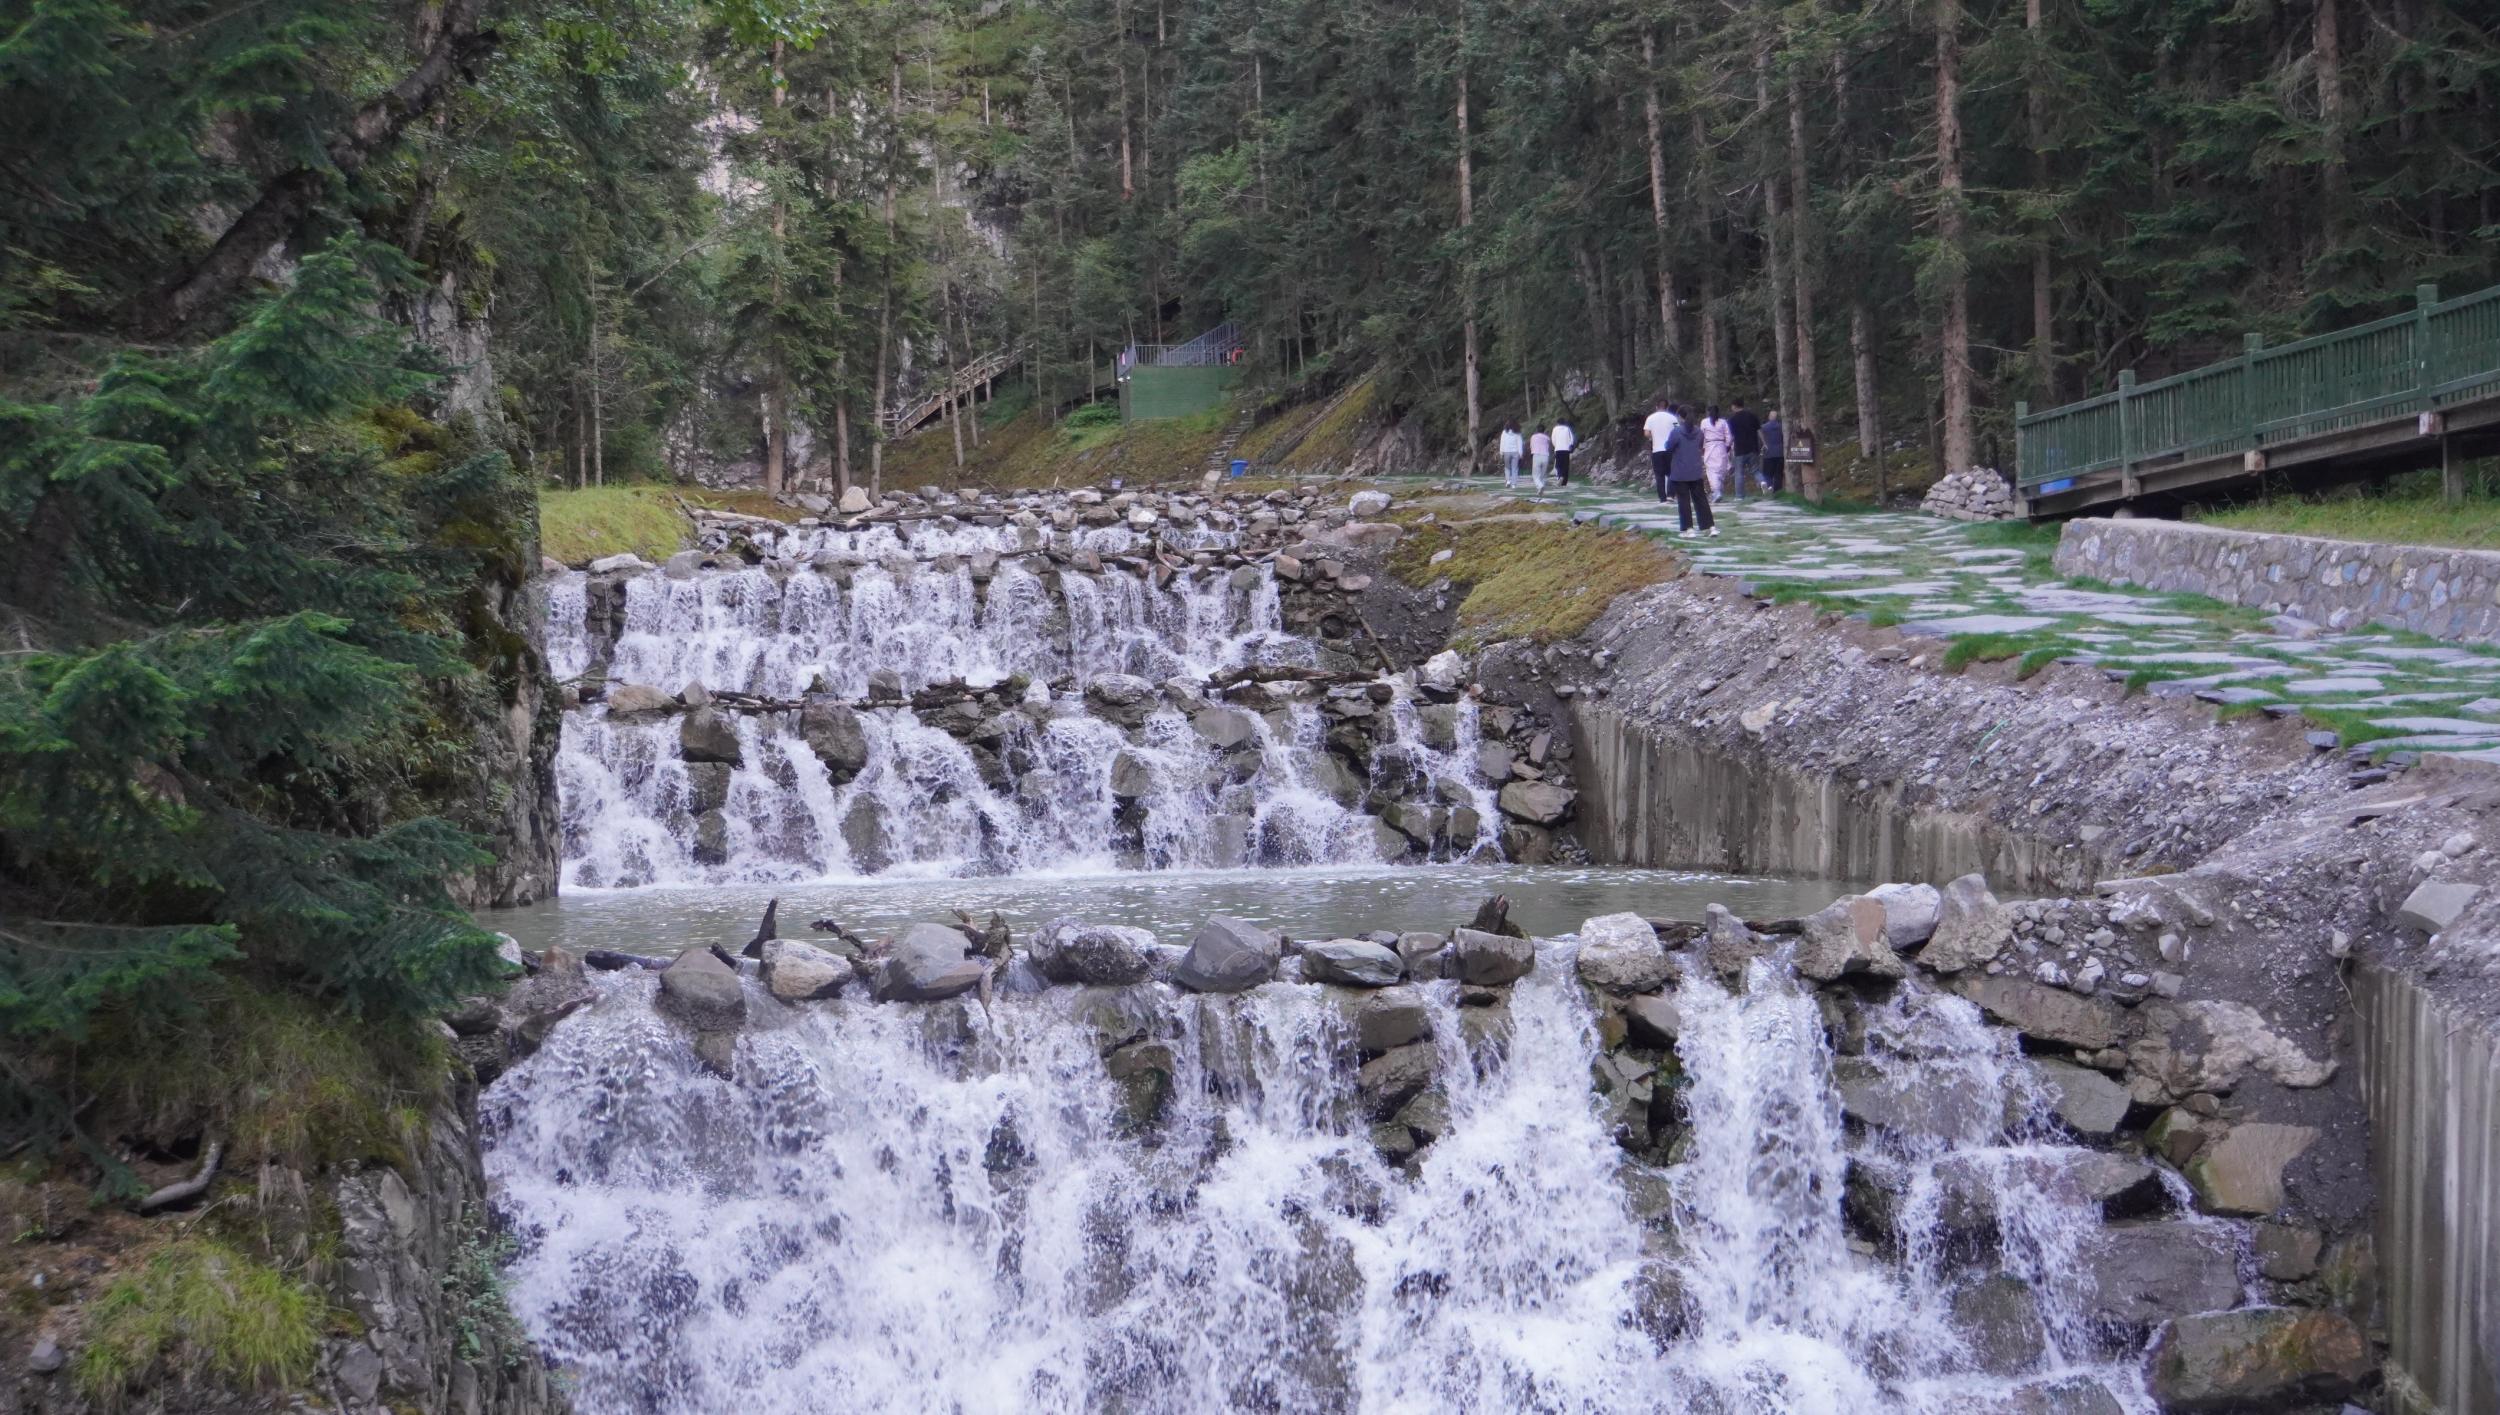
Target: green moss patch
{"x":199,"y":1311}
{"x":1544,"y":580}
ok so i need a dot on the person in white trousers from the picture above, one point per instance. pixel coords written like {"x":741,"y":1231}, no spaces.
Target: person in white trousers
{"x":1513,"y":445}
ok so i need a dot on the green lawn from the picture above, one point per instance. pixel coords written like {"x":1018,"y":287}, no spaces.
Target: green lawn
{"x":2409,"y":512}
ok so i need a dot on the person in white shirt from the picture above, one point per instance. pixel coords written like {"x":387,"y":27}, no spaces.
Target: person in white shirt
{"x":1540,"y":457}
{"x":1660,"y":425}
{"x":1564,"y":441}
{"x":1718,"y":443}
{"x":1513,"y":446}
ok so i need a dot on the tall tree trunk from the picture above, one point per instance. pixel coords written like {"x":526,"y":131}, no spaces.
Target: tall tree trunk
{"x":1705,"y":185}
{"x":2043,"y":270}
{"x":1953,"y":335}
{"x":777,"y":379}
{"x":1807,"y":414}
{"x":1670,"y":325}
{"x":1467,"y":254}
{"x":1869,"y":392}
{"x":842,"y":356}
{"x":2327,"y":43}
{"x":1783,"y":352}
{"x":885,"y":302}
{"x":581,"y":440}
{"x":1119,"y":62}
{"x":598,"y":397}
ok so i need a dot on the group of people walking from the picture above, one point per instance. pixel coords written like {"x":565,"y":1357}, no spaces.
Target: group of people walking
{"x":1696,"y":461}
{"x":1545,"y":451}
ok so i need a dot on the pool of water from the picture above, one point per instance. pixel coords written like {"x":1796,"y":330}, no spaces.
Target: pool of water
{"x":1316,"y":903}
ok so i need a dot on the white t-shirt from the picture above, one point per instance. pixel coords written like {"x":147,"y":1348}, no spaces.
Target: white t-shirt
{"x":1563,"y":440}
{"x":1511,"y":445}
{"x":1658,"y":426}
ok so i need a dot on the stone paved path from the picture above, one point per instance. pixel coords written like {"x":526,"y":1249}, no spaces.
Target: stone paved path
{"x":1953,"y":581}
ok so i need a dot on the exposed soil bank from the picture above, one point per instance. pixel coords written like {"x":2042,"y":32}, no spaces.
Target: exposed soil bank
{"x":2233,"y":868}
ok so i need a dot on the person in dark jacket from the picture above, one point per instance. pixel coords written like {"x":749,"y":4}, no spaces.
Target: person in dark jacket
{"x":1685,"y":475}
{"x":1747,"y":430}
{"x":1774,"y":453}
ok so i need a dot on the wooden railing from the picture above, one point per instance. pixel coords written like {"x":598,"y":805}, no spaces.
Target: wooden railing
{"x":2433,"y":357}
{"x":902,"y":418}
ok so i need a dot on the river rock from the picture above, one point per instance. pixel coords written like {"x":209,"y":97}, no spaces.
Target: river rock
{"x":707,"y":785}
{"x":711,"y":838}
{"x":1910,"y":912}
{"x":2139,"y":1274}
{"x":633,"y":700}
{"x":2242,"y":1172}
{"x":1226,"y":729}
{"x":2434,"y":904}
{"x":1998,"y":1320}
{"x":1132,"y":778}
{"x":1973,"y":1189}
{"x":1416,"y":821}
{"x":833,"y":732}
{"x":1388,"y":1081}
{"x":1070,"y":950}
{"x":1490,"y":960}
{"x":2209,"y":1045}
{"x":1620,"y":953}
{"x":1727,"y":943}
{"x":1971,"y":927}
{"x":2256,"y":1359}
{"x":621,"y":561}
{"x":708,"y":735}
{"x":1391,"y":1018}
{"x":1846,"y":936}
{"x":2062,"y":1395}
{"x":2047,"y":1013}
{"x":801,"y":972}
{"x":705,"y":994}
{"x":1228,"y":955}
{"x":1352,"y":962}
{"x":2089,"y":1102}
{"x":1442,"y":675}
{"x":1143,"y":1073}
{"x":1417,"y":950}
{"x":1912,"y":1098}
{"x":929,"y":963}
{"x":854,"y":501}
{"x":1367,"y":503}
{"x":1122,"y":698}
{"x":1652,"y":1020}
{"x":1536,"y":802}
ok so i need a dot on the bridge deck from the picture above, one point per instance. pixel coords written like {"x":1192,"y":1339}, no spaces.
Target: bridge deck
{"x":2418,"y":389}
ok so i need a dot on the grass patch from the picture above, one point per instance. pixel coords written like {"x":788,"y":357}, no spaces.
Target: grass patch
{"x":2037,"y":543}
{"x":2408,"y":511}
{"x":1544,"y":580}
{"x":575,"y":526}
{"x":1968,"y":649}
{"x":2351,"y":726}
{"x":1030,"y":452}
{"x":199,"y":1310}
{"x":283,"y":1078}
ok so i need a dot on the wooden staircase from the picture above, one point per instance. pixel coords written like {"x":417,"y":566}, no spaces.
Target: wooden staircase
{"x":903,"y":418}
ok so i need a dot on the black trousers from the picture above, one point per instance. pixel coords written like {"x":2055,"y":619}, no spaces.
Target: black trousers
{"x":1562,"y":466}
{"x":1774,"y":474}
{"x":1692,"y":499}
{"x":1658,"y":473}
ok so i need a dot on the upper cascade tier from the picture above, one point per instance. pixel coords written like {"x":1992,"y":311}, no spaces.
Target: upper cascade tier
{"x":1060,"y":687}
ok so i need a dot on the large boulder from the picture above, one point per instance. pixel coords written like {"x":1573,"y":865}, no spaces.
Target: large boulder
{"x":1228,"y":955}
{"x":1132,"y":776}
{"x":1971,"y":927}
{"x":1444,"y":674}
{"x":928,"y":963}
{"x":1226,"y":729}
{"x":1368,"y":502}
{"x":2089,"y":1102}
{"x":2138,"y":1275}
{"x":1846,"y":936}
{"x":1388,"y":1081}
{"x":1910,"y":912}
{"x":1352,"y":962}
{"x":801,"y":972}
{"x":1915,"y":1099}
{"x":1998,"y":1319}
{"x":636,"y":700}
{"x":854,"y":501}
{"x":709,"y":735}
{"x":706,"y":995}
{"x":1143,"y":1072}
{"x":1620,"y":953}
{"x":1123,"y":698}
{"x":1070,"y":950}
{"x":1536,"y":802}
{"x":2256,"y":1359}
{"x":2242,"y":1172}
{"x":2062,"y":1395}
{"x":2046,"y":1013}
{"x":1490,"y":960}
{"x":1391,"y":1018}
{"x":833,"y":732}
{"x":1652,"y":1020}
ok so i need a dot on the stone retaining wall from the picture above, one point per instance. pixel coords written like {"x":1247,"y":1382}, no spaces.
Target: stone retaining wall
{"x":2449,"y":594}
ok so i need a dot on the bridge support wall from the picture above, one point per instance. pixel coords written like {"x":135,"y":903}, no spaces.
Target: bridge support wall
{"x":2448,"y":594}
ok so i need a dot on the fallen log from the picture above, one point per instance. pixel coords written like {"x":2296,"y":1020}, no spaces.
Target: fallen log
{"x":185,"y":1190}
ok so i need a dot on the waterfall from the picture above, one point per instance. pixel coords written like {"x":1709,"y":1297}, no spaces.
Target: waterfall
{"x":1025,"y":775}
{"x":926,"y":1208}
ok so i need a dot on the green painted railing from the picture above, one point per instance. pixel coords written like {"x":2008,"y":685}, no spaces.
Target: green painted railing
{"x":2435,"y":356}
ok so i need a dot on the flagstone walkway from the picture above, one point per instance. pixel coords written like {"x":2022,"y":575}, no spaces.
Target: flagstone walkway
{"x":1991,"y":587}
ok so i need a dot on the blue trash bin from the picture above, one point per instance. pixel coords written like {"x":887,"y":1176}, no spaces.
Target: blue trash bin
{"x":1241,"y":468}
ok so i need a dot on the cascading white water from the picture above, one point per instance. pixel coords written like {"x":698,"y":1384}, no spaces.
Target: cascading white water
{"x":905,"y":1208}
{"x":1036,"y":795}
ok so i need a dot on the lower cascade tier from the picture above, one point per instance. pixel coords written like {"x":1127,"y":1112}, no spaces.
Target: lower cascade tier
{"x":1444,"y":1195}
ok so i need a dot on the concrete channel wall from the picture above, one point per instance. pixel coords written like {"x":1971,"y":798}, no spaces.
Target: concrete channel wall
{"x":2448,"y":594}
{"x":2435,"y":1155}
